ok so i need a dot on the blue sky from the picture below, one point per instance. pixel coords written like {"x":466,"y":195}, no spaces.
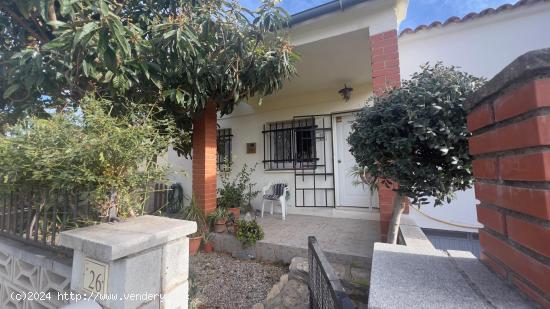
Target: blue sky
{"x":420,"y":11}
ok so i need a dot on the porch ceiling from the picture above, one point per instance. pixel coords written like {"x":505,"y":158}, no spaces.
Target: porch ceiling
{"x":329,"y":63}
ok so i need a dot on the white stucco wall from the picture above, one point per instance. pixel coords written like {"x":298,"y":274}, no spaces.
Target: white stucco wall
{"x":246,"y":124}
{"x":481,"y":47}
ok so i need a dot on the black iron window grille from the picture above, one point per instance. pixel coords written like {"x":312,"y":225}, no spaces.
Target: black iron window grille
{"x":289,"y":144}
{"x":223,"y":139}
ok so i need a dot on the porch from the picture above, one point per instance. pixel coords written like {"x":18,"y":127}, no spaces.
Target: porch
{"x":298,"y":135}
{"x":345,"y":241}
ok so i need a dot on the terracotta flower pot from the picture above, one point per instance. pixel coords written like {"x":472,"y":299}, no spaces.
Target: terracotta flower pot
{"x":236,"y":211}
{"x":194,"y":244}
{"x":208,"y":247}
{"x":219,"y":226}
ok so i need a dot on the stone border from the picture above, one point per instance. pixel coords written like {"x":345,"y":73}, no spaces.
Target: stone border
{"x":411,"y":235}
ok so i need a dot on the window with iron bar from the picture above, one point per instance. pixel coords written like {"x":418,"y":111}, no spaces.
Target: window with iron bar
{"x":223,"y":139}
{"x":289,"y":144}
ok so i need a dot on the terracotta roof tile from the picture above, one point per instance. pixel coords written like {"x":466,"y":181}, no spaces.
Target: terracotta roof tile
{"x":471,"y":16}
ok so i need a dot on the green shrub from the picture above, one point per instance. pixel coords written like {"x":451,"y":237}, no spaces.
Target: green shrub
{"x":416,"y":136}
{"x":237,"y":192}
{"x":112,"y":158}
{"x":248,"y":232}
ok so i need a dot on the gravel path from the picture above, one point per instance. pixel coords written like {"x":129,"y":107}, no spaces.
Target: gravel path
{"x":220,"y":281}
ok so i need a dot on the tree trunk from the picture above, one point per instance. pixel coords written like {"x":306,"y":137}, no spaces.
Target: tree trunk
{"x":398,"y":208}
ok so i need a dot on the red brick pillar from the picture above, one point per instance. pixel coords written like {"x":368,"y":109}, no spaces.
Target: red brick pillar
{"x":204,"y":158}
{"x":385,"y":74}
{"x":510,"y":124}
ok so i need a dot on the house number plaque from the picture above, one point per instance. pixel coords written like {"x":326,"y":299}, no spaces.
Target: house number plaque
{"x":95,"y":276}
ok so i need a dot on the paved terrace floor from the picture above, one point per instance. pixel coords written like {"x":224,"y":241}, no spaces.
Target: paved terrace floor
{"x":336,"y":236}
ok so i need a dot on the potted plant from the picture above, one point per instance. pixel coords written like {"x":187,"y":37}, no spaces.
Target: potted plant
{"x":231,"y":224}
{"x":248,"y":232}
{"x":235,"y":211}
{"x":193,"y":213}
{"x":236,"y":193}
{"x":218,"y":218}
{"x":207,"y":243}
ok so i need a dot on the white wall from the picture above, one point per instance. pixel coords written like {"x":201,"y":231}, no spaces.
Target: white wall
{"x":247,"y":122}
{"x":481,"y":47}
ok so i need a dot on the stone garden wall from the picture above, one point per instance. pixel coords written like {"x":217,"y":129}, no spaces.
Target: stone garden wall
{"x":32,"y":278}
{"x":137,"y":263}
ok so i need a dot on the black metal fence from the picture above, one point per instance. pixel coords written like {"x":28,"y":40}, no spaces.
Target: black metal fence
{"x":166,"y":199}
{"x":37,"y":216}
{"x":325,"y":289}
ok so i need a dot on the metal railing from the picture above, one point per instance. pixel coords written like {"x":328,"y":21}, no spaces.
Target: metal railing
{"x":165,"y":199}
{"x":325,"y":289}
{"x":37,"y":216}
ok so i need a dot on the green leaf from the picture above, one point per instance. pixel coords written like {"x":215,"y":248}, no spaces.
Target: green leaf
{"x":179,"y":96}
{"x":10,"y":90}
{"x":118,"y":31}
{"x":110,"y":59}
{"x":104,"y":8}
{"x":85,"y":68}
{"x":56,"y":23}
{"x":86,"y":29}
{"x":55,"y":44}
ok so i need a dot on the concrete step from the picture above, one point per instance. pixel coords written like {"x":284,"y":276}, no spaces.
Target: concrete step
{"x":274,"y":253}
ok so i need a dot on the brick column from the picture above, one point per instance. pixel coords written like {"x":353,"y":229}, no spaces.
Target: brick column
{"x":385,"y":74}
{"x":510,"y":124}
{"x":204,"y":158}
{"x":384,"y":61}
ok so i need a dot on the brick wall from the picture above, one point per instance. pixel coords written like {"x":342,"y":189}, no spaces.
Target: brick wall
{"x":384,"y":61}
{"x":510,"y":122}
{"x":204,"y":158}
{"x":385,"y":74}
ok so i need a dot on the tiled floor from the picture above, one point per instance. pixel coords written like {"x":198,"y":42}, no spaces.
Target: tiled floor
{"x":337,"y":235}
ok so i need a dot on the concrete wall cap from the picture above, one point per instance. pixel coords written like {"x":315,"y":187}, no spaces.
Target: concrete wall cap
{"x":526,"y":67}
{"x":110,"y":241}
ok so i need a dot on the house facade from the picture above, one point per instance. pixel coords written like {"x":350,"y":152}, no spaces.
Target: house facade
{"x":299,"y":135}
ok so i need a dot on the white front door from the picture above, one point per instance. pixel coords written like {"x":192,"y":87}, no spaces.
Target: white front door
{"x":349,"y":193}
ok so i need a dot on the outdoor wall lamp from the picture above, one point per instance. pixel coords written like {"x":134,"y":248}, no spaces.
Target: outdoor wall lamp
{"x":345,"y":92}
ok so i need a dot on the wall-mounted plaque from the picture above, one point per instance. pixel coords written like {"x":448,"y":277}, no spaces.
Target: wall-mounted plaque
{"x":96,"y":275}
{"x":250,"y":147}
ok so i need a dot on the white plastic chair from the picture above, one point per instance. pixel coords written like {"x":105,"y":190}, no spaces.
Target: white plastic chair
{"x":270,"y":194}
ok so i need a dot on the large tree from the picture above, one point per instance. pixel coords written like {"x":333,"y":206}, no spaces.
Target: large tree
{"x":173,"y":54}
{"x":414,"y":138}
